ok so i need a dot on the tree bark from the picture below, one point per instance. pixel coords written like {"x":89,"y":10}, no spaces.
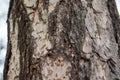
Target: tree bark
{"x":63,"y":40}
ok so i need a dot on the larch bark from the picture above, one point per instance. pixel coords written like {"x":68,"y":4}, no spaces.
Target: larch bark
{"x":63,"y":40}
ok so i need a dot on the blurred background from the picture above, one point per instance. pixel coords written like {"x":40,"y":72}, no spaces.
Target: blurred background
{"x":4,"y":4}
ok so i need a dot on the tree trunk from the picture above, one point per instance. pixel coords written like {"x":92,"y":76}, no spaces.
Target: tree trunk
{"x":63,"y":40}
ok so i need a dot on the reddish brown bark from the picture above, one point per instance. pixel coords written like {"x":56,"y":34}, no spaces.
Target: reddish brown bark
{"x":63,"y":40}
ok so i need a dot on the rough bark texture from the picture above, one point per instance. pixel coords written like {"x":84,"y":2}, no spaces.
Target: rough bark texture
{"x":63,"y":40}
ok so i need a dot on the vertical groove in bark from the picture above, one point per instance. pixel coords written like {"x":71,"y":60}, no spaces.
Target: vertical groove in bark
{"x":30,"y":67}
{"x":25,"y":44}
{"x":45,"y":4}
{"x":67,"y":31}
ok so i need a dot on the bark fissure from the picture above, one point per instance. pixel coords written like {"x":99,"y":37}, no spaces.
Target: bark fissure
{"x":69,"y":30}
{"x":32,"y":67}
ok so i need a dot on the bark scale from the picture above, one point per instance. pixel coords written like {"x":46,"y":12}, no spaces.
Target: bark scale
{"x":63,"y":40}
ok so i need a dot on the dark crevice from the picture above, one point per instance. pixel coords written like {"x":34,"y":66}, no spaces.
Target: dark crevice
{"x":115,"y":21}
{"x":26,"y":46}
{"x":71,"y":36}
{"x":115,"y":18}
{"x":45,"y":4}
